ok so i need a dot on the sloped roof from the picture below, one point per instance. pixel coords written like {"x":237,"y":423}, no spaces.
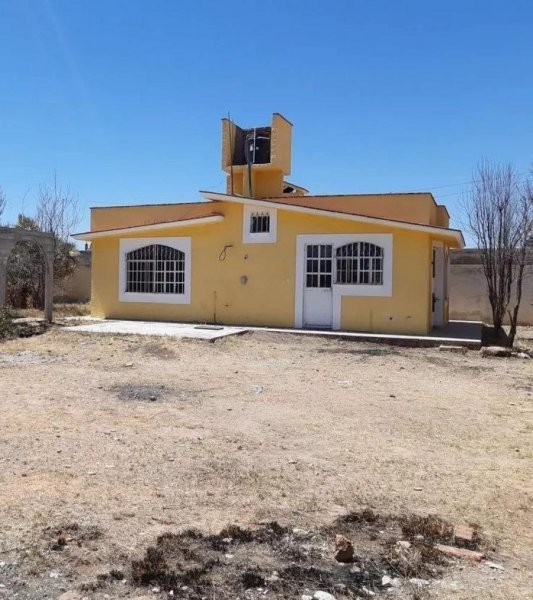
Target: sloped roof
{"x":199,"y":218}
{"x":288,"y":203}
{"x":351,"y":203}
{"x":339,"y":205}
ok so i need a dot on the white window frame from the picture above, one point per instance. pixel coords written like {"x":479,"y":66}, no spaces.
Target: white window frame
{"x":385,"y":240}
{"x":178,"y":243}
{"x":269,"y":237}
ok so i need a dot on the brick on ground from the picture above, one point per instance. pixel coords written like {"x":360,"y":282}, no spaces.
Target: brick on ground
{"x":459,"y":552}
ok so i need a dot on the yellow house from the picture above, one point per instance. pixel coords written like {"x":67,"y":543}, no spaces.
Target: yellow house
{"x":267,"y":253}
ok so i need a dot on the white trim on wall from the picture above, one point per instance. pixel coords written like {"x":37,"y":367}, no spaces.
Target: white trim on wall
{"x":385,"y":240}
{"x":129,"y":244}
{"x":259,"y":238}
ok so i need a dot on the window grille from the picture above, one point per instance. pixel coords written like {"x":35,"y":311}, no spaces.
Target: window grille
{"x":360,"y":263}
{"x":319,"y":265}
{"x":155,"y":269}
{"x":260,"y":222}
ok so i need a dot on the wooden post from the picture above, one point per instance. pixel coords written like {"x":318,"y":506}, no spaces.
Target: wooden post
{"x":3,"y":279}
{"x":49,"y":287}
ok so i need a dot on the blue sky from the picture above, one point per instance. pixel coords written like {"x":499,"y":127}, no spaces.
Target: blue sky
{"x":123,"y":98}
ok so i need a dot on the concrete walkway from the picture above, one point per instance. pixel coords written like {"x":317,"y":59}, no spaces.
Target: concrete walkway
{"x":465,"y":333}
{"x":178,"y":330}
{"x":460,"y":333}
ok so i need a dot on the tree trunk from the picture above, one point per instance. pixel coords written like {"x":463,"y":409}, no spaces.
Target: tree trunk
{"x":513,"y":316}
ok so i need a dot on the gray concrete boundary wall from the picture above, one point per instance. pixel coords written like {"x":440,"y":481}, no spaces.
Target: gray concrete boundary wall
{"x":467,"y":289}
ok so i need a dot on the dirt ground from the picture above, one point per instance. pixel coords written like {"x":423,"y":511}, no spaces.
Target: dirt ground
{"x":107,"y":442}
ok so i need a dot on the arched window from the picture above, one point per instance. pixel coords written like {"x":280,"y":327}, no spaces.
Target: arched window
{"x":360,"y":263}
{"x":155,"y":269}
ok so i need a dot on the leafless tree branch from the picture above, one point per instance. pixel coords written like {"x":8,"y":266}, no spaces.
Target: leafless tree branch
{"x":57,"y":210}
{"x":3,"y":201}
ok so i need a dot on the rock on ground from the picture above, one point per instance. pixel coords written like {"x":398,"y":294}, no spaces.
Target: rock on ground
{"x":495,"y":351}
{"x":70,"y":595}
{"x":455,"y":349}
{"x":323,"y":596}
{"x":343,"y":549}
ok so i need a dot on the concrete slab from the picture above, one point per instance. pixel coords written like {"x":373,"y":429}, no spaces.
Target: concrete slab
{"x":178,"y":330}
{"x":83,"y":318}
{"x":469,"y":330}
{"x":464,"y":333}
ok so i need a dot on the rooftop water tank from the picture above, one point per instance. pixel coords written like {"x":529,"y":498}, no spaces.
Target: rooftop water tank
{"x":257,"y":149}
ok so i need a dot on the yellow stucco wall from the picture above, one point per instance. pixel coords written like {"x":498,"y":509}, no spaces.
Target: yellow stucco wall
{"x":281,"y":149}
{"x":266,"y":183}
{"x":414,"y":208}
{"x":408,"y":309}
{"x":268,"y":296}
{"x":114,"y":217}
{"x":443,"y":218}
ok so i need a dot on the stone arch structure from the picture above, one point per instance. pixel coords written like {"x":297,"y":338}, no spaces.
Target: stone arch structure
{"x":9,"y":238}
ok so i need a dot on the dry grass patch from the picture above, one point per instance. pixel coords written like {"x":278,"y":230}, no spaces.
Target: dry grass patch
{"x":255,"y":428}
{"x":60,"y":310}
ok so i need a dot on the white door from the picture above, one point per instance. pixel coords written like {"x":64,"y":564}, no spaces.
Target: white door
{"x":318,"y":296}
{"x":437,"y":297}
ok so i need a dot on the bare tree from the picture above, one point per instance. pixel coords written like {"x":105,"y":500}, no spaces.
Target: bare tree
{"x":56,"y":213}
{"x":500,"y":218}
{"x":2,"y":201}
{"x":25,"y":270}
{"x":57,"y":210}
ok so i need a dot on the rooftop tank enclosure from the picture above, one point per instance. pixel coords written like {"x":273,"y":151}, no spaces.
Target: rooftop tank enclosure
{"x":252,"y":146}
{"x":256,"y":158}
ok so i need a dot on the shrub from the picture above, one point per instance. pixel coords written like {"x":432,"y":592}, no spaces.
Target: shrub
{"x":7,"y":327}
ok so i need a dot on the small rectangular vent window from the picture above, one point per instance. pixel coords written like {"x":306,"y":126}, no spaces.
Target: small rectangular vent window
{"x":260,"y":222}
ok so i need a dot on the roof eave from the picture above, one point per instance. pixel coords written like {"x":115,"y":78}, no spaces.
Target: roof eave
{"x":92,"y":235}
